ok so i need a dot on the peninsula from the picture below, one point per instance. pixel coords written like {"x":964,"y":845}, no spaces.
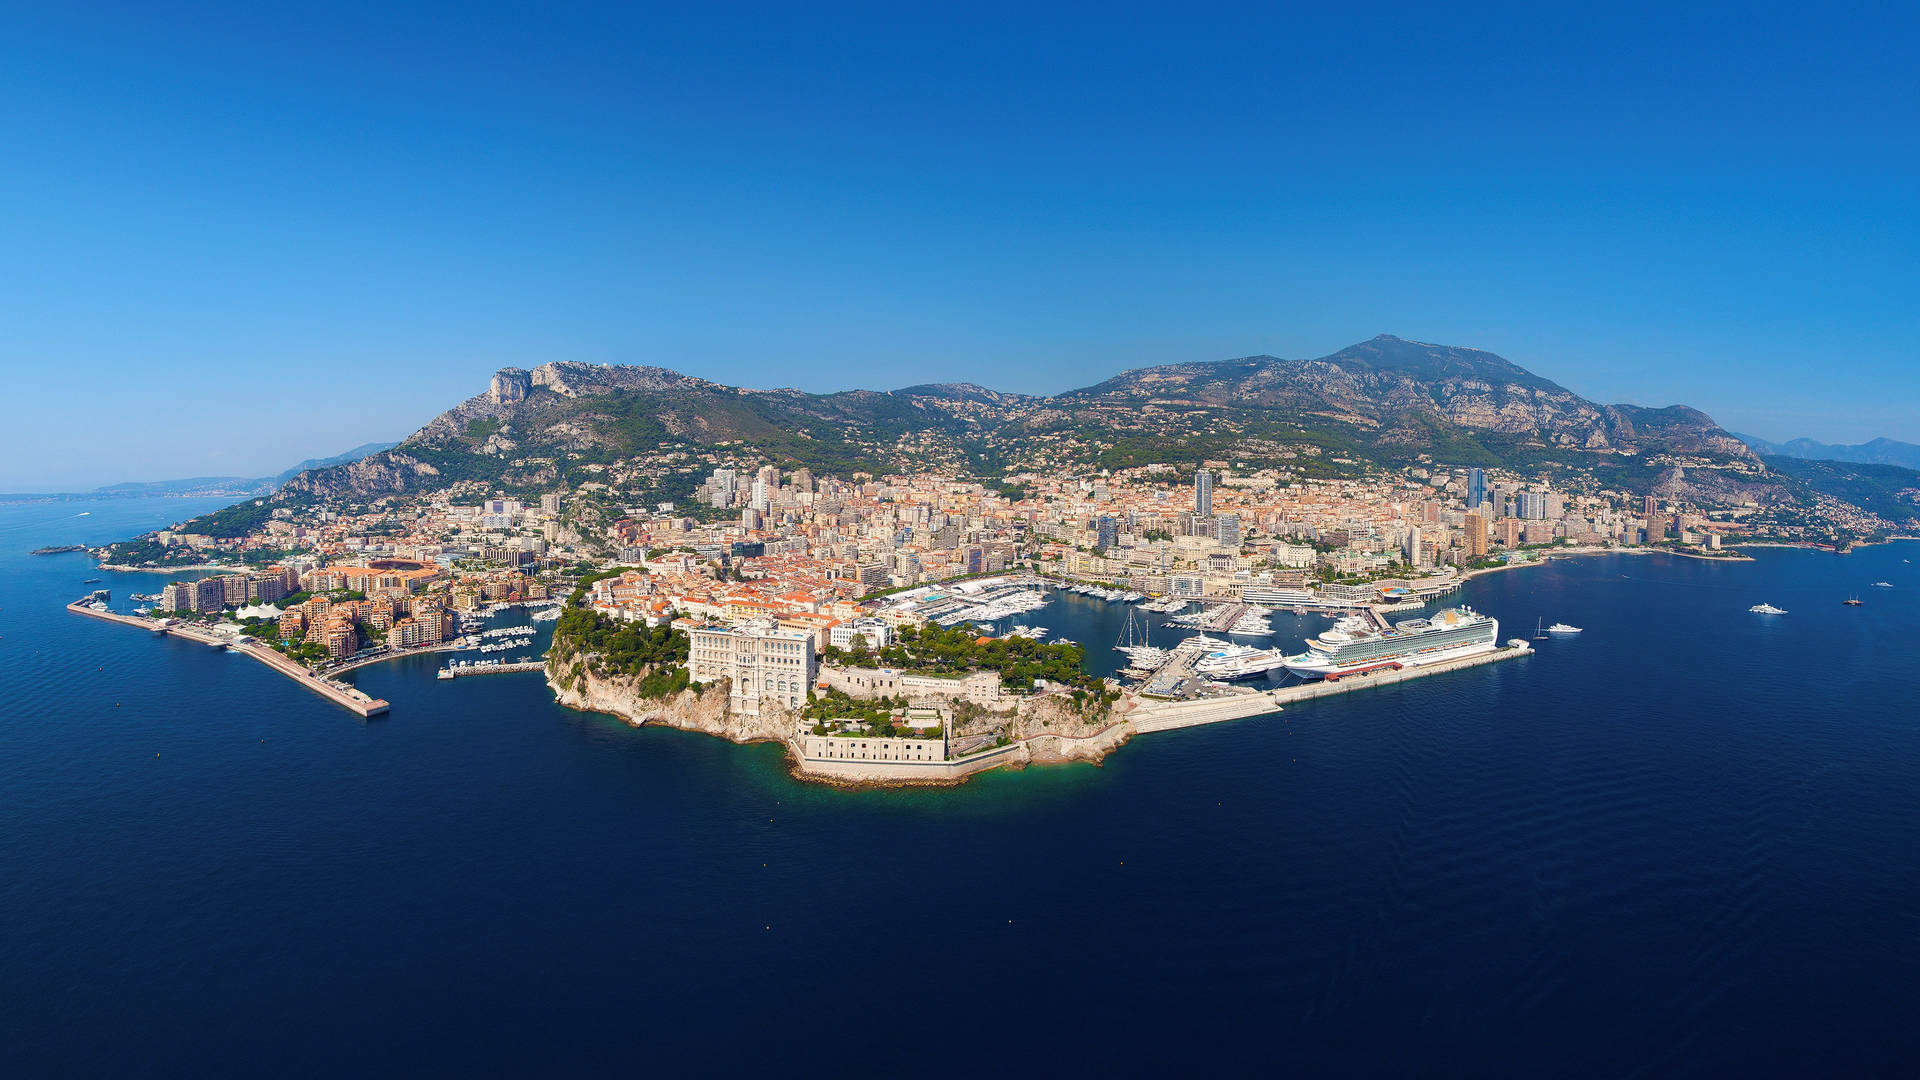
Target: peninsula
{"x":846,"y":574}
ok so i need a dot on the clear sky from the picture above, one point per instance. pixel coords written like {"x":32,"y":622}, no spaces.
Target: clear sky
{"x":233,"y":237}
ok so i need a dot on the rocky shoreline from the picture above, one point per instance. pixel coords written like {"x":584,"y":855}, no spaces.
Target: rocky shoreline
{"x":705,"y":710}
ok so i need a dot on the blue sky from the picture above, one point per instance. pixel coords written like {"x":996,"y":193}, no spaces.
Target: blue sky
{"x":233,"y":237}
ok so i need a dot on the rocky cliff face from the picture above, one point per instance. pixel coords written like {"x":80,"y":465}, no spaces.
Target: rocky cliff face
{"x":1679,"y":429}
{"x":1713,"y":487}
{"x":704,"y":710}
{"x":510,"y":385}
{"x":1050,"y":730}
{"x":1094,"y":747}
{"x":573,"y":379}
{"x":385,"y":473}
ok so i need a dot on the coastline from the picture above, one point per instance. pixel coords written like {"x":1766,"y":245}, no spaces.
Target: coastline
{"x":119,"y":568}
{"x":1735,"y":557}
{"x":1568,"y":553}
{"x":709,"y":713}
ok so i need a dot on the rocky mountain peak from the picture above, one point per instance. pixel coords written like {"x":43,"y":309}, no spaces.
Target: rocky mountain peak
{"x":572,"y":378}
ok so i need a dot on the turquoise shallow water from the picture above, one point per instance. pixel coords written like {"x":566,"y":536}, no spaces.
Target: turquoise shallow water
{"x":1682,"y":843}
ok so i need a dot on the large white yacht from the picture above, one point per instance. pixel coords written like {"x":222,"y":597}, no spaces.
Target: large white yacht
{"x":1234,"y":662}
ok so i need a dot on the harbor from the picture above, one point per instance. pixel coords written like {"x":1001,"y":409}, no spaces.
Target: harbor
{"x":1227,"y":619}
{"x":1194,"y":678}
{"x":326,"y":682}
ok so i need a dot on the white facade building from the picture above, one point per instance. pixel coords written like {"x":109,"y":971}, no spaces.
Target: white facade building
{"x":764,"y":662}
{"x":878,"y":634}
{"x":1293,"y":556}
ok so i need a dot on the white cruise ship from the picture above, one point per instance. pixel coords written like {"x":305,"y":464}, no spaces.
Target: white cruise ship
{"x":1353,"y":645}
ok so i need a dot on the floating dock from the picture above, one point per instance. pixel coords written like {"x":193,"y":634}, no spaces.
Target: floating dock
{"x":340,"y":694}
{"x":464,"y":670}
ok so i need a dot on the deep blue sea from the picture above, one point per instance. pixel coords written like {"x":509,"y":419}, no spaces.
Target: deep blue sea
{"x":1684,"y":843}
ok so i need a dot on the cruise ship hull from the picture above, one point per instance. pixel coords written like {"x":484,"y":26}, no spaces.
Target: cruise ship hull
{"x":1316,"y":666}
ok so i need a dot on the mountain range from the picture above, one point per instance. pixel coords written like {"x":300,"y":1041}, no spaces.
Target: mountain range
{"x":1386,"y":401}
{"x":236,"y":486}
{"x":1876,"y":452}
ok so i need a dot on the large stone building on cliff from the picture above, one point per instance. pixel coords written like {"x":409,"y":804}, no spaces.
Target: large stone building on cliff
{"x":765,"y":662}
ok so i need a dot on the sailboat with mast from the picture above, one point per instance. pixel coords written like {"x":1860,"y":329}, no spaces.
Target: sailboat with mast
{"x":1135,"y":643}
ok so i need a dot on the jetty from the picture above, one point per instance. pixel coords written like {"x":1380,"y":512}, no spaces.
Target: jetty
{"x":461,"y":671}
{"x":80,"y":607}
{"x":341,"y":694}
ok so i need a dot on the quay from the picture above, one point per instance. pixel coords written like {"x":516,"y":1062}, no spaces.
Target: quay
{"x":389,"y":654}
{"x":1167,"y":715}
{"x":340,"y":694}
{"x":79,"y":607}
{"x":1221,"y":619}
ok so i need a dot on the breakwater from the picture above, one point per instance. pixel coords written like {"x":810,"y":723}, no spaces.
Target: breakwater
{"x":1166,"y":716}
{"x":339,"y":693}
